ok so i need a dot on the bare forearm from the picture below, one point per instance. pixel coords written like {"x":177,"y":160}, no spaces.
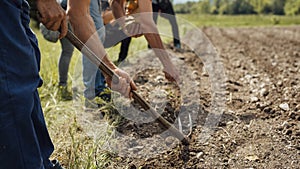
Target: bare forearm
{"x":158,"y":48}
{"x":154,"y":40}
{"x":78,"y":13}
{"x":118,"y":11}
{"x":84,"y":29}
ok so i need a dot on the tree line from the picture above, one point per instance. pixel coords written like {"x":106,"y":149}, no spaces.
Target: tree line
{"x":232,"y":7}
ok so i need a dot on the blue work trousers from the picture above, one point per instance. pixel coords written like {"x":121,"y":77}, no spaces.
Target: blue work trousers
{"x":24,"y":139}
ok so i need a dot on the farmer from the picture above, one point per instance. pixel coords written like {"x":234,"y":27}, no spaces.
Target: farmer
{"x":78,"y":13}
{"x":93,"y":79}
{"x":136,"y":20}
{"x":63,"y":63}
{"x":24,"y":139}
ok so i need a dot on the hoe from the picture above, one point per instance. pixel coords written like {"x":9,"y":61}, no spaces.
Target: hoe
{"x":142,"y":102}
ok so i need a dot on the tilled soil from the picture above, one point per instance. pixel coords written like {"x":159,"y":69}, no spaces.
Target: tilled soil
{"x":260,"y":123}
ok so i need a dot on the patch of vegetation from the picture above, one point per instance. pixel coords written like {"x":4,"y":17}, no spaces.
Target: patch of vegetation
{"x":239,"y":20}
{"x":237,"y":7}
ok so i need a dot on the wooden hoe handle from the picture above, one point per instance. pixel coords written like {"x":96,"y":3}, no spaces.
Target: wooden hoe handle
{"x":115,"y":78}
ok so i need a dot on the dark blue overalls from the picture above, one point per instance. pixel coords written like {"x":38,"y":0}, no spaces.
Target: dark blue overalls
{"x":24,"y":139}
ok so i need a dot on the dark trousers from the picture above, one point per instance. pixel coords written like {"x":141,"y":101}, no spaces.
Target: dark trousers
{"x":124,"y":49}
{"x":113,"y":35}
{"x":169,"y":14}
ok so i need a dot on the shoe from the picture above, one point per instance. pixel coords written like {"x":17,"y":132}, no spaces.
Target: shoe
{"x":64,"y":93}
{"x":90,"y":105}
{"x":56,"y":165}
{"x":93,"y":106}
{"x":177,"y":46}
{"x":105,"y":95}
{"x":99,"y":101}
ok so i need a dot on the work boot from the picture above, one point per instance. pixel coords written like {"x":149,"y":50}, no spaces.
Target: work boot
{"x":177,"y":45}
{"x":64,"y":93}
{"x":92,"y":105}
{"x":105,"y":95}
{"x":56,"y":165}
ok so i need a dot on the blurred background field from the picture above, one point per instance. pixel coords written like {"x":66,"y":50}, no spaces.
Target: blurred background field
{"x":74,"y":148}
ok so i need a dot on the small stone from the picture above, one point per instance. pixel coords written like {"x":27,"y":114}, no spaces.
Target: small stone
{"x":159,"y":78}
{"x":136,"y":149}
{"x":254,"y":99}
{"x":193,"y":154}
{"x":200,"y":155}
{"x":252,"y":157}
{"x":279,"y":83}
{"x":264,"y":92}
{"x":284,"y":106}
{"x":285,"y":124}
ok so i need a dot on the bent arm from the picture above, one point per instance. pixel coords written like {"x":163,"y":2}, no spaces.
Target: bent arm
{"x":118,"y":11}
{"x":84,"y":28}
{"x":151,"y":33}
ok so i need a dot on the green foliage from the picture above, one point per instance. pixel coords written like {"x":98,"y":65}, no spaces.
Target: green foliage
{"x":275,"y":20}
{"x":201,"y":7}
{"x":233,"y":7}
{"x":240,"y":7}
{"x":239,"y":20}
{"x":185,"y":7}
{"x":181,"y":8}
{"x":292,"y":7}
{"x":278,"y":7}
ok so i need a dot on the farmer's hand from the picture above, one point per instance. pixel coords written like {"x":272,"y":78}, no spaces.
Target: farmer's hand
{"x":132,"y":28}
{"x":52,"y":16}
{"x":125,"y":84}
{"x":171,"y":73}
